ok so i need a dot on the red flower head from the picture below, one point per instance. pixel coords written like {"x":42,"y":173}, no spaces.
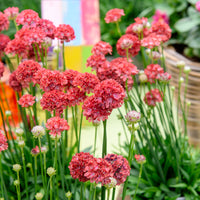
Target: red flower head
{"x":164,"y":77}
{"x":65,"y":33}
{"x":162,"y":30}
{"x":95,"y":61}
{"x":152,"y":97}
{"x":11,"y":12}
{"x":110,"y":94}
{"x":14,"y":83}
{"x":70,"y":75}
{"x":38,"y":75}
{"x":102,"y":48}
{"x":4,"y":39}
{"x":35,"y":151}
{"x":4,"y":23}
{"x":86,"y":81}
{"x":140,"y":159}
{"x":3,"y":142}
{"x":98,"y":170}
{"x":160,"y":16}
{"x":152,"y":71}
{"x":27,"y":18}
{"x":54,"y":100}
{"x":56,"y":125}
{"x":120,"y":167}
{"x":133,"y":116}
{"x":130,"y":42}
{"x":151,"y":41}
{"x":93,"y":110}
{"x":52,"y":80}
{"x":75,"y":96}
{"x":1,"y":69}
{"x":114,"y":15}
{"x":197,"y":5}
{"x":77,"y":165}
{"x":26,"y":100}
{"x":26,"y":71}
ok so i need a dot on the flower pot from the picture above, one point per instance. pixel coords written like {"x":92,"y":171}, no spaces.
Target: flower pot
{"x":193,"y":92}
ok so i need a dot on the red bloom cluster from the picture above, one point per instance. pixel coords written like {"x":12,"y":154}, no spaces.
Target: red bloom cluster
{"x":26,"y":100}
{"x":114,"y":15}
{"x":140,"y":159}
{"x":4,"y":23}
{"x":128,"y":42}
{"x":95,"y":61}
{"x":152,"y":97}
{"x":3,"y":142}
{"x":11,"y":12}
{"x":120,"y":167}
{"x":56,"y":125}
{"x":26,"y":71}
{"x":151,"y":41}
{"x":35,"y":151}
{"x":70,"y":75}
{"x":27,"y":18}
{"x":4,"y":39}
{"x":164,"y":77}
{"x":54,"y":100}
{"x":102,"y":48}
{"x":86,"y":81}
{"x":153,"y":71}
{"x":14,"y":83}
{"x":38,"y":75}
{"x":1,"y":69}
{"x":65,"y":33}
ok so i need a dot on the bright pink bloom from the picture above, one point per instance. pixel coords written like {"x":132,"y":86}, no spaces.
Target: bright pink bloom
{"x":54,"y":100}
{"x":11,"y":12}
{"x":38,"y":75}
{"x":160,"y":17}
{"x":3,"y":142}
{"x":26,"y":100}
{"x":65,"y":33}
{"x":35,"y":151}
{"x":4,"y":23}
{"x":4,"y":39}
{"x":140,"y":159}
{"x":95,"y":61}
{"x":152,"y":97}
{"x":98,"y":170}
{"x":77,"y":165}
{"x":1,"y":69}
{"x":56,"y":125}
{"x":27,"y":18}
{"x":197,"y":5}
{"x":110,"y":94}
{"x":120,"y":167}
{"x":151,"y":41}
{"x":102,"y":48}
{"x":114,"y":15}
{"x":130,"y":42}
{"x":14,"y":83}
{"x":164,"y":77}
{"x":152,"y":71}
{"x":70,"y":75}
{"x":133,"y":116}
{"x":86,"y":81}
{"x":26,"y":71}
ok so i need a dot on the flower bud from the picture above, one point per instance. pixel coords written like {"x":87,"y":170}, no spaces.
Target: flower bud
{"x":112,"y":184}
{"x":143,"y":77}
{"x":39,"y":196}
{"x":140,"y":159}
{"x":133,"y":116}
{"x":17,"y":167}
{"x":136,"y":126}
{"x":172,"y":88}
{"x":21,"y":143}
{"x":19,"y":132}
{"x":96,"y":122}
{"x":44,"y":150}
{"x":54,"y":137}
{"x":8,"y":113}
{"x":148,"y":51}
{"x":181,"y":80}
{"x":68,"y":194}
{"x":35,"y":151}
{"x":56,"y":49}
{"x":187,"y":69}
{"x":188,"y":103}
{"x":155,"y":55}
{"x":16,"y":182}
{"x":180,"y":64}
{"x":38,"y":131}
{"x":29,"y":165}
{"x":51,"y":171}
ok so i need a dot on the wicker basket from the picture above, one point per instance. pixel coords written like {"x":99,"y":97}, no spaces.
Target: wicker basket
{"x":193,"y":92}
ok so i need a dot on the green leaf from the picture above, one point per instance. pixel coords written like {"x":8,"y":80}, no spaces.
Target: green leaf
{"x":179,"y":185}
{"x":185,"y":174}
{"x":182,"y":6}
{"x":192,"y":1}
{"x":164,"y":7}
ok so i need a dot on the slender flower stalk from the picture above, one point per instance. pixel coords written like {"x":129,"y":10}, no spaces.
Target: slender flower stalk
{"x":3,"y":188}
{"x":118,"y":28}
{"x":17,"y":168}
{"x":51,"y":172}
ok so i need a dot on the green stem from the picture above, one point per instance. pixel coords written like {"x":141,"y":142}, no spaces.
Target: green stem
{"x":56,"y":164}
{"x":127,"y":56}
{"x":80,"y":127}
{"x":18,"y":191}
{"x":113,"y":194}
{"x":118,"y":28}
{"x":35,"y":173}
{"x":63,"y":54}
{"x":58,"y":56}
{"x":45,"y":167}
{"x":140,"y":174}
{"x":81,"y":194}
{"x":51,"y":189}
{"x":95,"y":139}
{"x":108,"y":194}
{"x":15,"y":25}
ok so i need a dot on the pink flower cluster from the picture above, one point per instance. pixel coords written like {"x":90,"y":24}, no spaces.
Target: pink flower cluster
{"x":4,"y":39}
{"x":3,"y":142}
{"x":11,"y":12}
{"x":152,"y":97}
{"x":1,"y":69}
{"x":26,"y":100}
{"x":85,"y":167}
{"x":114,"y":15}
{"x":160,"y":16}
{"x":4,"y":23}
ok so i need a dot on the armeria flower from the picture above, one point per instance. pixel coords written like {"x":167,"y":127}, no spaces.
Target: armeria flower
{"x":1,"y":69}
{"x":56,"y":125}
{"x":65,"y":33}
{"x":51,"y":171}
{"x":4,"y":39}
{"x":140,"y":159}
{"x":93,"y":111}
{"x":110,"y":94}
{"x":128,"y":42}
{"x":86,"y":81}
{"x":197,"y":5}
{"x":14,"y":83}
{"x":77,"y":165}
{"x":98,"y":170}
{"x":27,"y":18}
{"x":3,"y":142}
{"x":11,"y":12}
{"x":4,"y":23}
{"x":160,"y":16}
{"x":164,"y":77}
{"x":102,"y":48}
{"x":38,"y":131}
{"x":52,"y":80}
{"x":114,"y":15}
{"x":35,"y":151}
{"x":26,"y":71}
{"x":133,"y":116}
{"x":95,"y":61}
{"x":151,"y":41}
{"x":162,"y":30}
{"x":38,"y":75}
{"x":54,"y":101}
{"x":75,"y":96}
{"x":26,"y":100}
{"x":152,"y":71}
{"x":120,"y":167}
{"x":152,"y":97}
{"x":70,"y":75}
{"x":17,"y":167}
